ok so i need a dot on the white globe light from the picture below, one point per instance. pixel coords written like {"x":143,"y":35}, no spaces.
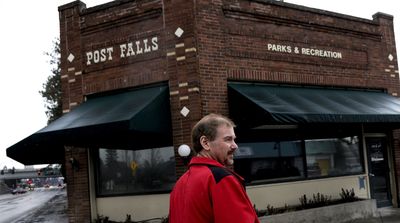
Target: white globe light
{"x":184,"y":150}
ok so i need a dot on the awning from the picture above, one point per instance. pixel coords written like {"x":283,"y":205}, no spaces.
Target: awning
{"x":258,"y":104}
{"x":134,"y":119}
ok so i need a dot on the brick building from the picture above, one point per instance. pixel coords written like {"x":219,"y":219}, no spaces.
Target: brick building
{"x":313,"y":94}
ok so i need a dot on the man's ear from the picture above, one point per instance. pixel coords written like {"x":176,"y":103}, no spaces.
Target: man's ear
{"x":204,"y":143}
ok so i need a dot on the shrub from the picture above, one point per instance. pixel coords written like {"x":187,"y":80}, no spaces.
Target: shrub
{"x":318,"y":200}
{"x":348,"y":195}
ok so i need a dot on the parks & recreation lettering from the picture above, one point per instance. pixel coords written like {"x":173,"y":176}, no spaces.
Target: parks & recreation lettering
{"x":304,"y":51}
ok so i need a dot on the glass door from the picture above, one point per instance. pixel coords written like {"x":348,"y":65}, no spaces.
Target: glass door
{"x":379,"y":176}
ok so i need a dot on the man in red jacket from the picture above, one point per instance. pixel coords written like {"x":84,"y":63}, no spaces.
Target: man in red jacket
{"x":209,"y":192}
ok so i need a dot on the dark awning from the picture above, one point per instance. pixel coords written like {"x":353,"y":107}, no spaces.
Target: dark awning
{"x":257,"y":104}
{"x":130,"y":120}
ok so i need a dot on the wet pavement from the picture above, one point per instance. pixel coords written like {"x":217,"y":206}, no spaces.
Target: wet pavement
{"x":44,"y":205}
{"x":53,"y":211}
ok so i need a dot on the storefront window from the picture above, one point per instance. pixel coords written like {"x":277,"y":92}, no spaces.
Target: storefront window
{"x":135,"y":171}
{"x":263,"y":161}
{"x":260,"y":162}
{"x":333,"y":157}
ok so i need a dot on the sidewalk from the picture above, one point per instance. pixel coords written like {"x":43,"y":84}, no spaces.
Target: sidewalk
{"x":385,"y":215}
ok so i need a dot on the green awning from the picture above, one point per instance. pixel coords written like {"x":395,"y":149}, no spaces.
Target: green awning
{"x":134,"y":119}
{"x":261,"y":104}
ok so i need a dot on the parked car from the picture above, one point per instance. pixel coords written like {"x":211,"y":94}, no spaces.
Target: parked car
{"x":19,"y":190}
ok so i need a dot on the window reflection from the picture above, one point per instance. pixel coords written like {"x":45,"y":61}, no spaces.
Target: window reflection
{"x":285,"y":160}
{"x":135,"y":171}
{"x":332,"y":157}
{"x":269,"y":160}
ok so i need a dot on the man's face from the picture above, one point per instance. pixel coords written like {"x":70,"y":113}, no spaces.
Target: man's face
{"x":223,"y":146}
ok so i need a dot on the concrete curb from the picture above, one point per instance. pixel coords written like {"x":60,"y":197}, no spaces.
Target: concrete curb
{"x":339,"y":213}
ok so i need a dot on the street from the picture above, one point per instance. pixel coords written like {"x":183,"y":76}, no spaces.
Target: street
{"x":45,"y":205}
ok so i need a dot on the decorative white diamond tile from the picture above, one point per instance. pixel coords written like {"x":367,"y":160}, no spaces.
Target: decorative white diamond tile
{"x":390,"y":57}
{"x":179,"y":32}
{"x":185,"y":111}
{"x":71,"y":57}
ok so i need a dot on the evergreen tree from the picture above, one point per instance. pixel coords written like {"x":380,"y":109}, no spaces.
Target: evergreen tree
{"x":111,"y":158}
{"x":52,"y":87}
{"x":111,"y":164}
{"x":51,"y":91}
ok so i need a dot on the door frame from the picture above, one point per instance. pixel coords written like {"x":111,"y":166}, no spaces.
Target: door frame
{"x":390,"y":165}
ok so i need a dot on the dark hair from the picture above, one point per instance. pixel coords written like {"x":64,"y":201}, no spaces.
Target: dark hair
{"x":207,"y":126}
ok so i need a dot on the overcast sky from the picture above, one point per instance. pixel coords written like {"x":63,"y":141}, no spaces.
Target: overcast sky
{"x":28,"y":29}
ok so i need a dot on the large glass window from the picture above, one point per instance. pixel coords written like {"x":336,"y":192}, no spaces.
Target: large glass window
{"x":269,"y":160}
{"x":261,"y":162}
{"x":135,"y":171}
{"x":332,"y":157}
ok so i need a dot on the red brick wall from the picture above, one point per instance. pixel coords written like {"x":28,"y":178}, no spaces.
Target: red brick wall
{"x":233,"y":37}
{"x":212,"y":58}
{"x":364,"y":49}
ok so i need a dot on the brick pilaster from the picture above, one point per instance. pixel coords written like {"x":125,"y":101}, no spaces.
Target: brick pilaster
{"x":182,"y":69}
{"x":71,"y":82}
{"x":77,"y":185}
{"x":71,"y":61}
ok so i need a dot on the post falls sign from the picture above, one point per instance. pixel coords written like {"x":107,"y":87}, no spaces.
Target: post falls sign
{"x":129,"y":49}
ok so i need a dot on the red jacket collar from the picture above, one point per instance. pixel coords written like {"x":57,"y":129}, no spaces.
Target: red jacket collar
{"x":207,"y":161}
{"x":204,"y":161}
